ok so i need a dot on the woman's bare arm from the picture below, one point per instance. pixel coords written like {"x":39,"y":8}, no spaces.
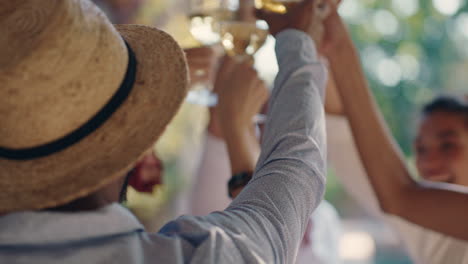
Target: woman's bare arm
{"x":333,"y":105}
{"x":436,"y":206}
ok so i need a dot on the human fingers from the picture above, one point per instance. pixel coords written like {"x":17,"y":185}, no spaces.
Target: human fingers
{"x":263,"y":93}
{"x":203,"y":64}
{"x":333,"y":3}
{"x":205,"y":51}
{"x":227,"y":66}
{"x":276,"y":22}
{"x":223,"y":74}
{"x":306,"y":4}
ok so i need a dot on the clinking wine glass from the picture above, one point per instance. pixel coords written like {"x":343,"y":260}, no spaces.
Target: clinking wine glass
{"x":204,"y":27}
{"x":242,"y":36}
{"x":241,"y":40}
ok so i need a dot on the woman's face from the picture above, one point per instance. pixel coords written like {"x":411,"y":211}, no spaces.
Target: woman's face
{"x":442,"y":148}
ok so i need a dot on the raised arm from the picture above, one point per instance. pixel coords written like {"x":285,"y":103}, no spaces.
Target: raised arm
{"x":435,"y":206}
{"x":290,"y":175}
{"x":267,"y":221}
{"x":231,"y":145}
{"x":289,"y":178}
{"x":238,"y":103}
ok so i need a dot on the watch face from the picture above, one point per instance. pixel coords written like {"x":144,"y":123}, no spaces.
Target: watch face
{"x":238,"y":181}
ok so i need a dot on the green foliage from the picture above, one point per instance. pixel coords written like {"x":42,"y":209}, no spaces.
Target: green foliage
{"x":409,"y":58}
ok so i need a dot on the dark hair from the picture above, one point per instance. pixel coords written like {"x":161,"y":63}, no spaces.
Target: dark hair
{"x":123,"y":191}
{"x":89,"y":202}
{"x":446,"y":104}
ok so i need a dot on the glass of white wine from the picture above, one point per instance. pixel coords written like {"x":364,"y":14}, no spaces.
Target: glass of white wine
{"x":205,"y":16}
{"x":243,"y":36}
{"x":242,"y":39}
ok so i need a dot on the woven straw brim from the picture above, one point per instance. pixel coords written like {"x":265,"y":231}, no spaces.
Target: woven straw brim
{"x":110,"y":151}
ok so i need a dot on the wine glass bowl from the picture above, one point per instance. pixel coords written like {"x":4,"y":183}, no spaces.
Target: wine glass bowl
{"x":204,"y":24}
{"x":242,"y":39}
{"x":230,"y":23}
{"x":204,"y":19}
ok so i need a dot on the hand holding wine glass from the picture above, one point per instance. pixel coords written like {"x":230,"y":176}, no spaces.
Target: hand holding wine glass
{"x":202,"y":63}
{"x":241,"y":93}
{"x":336,"y":33}
{"x":242,"y":39}
{"x":204,"y":17}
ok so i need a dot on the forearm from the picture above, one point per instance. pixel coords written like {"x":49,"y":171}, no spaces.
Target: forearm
{"x":243,"y":148}
{"x":380,"y":155}
{"x":333,"y":105}
{"x":211,"y":178}
{"x":347,"y":165}
{"x":289,"y":179}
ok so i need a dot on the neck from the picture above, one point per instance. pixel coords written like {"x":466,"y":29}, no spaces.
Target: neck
{"x":89,"y":203}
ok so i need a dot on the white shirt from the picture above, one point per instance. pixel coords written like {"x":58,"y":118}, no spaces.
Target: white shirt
{"x":424,"y":246}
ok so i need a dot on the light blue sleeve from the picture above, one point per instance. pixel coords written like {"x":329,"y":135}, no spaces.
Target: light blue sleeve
{"x":266,"y":222}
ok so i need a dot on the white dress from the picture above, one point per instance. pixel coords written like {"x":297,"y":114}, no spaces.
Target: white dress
{"x":424,"y":246}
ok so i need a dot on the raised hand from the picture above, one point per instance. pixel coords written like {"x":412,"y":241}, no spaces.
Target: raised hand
{"x":147,"y":173}
{"x":202,"y":63}
{"x":335,"y":30}
{"x":241,"y":93}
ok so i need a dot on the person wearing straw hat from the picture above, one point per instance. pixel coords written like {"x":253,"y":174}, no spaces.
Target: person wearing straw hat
{"x":81,"y":101}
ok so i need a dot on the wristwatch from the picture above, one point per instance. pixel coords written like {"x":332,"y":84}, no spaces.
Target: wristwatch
{"x":238,"y":180}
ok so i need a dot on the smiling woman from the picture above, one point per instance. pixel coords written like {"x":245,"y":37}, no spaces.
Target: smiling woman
{"x":431,"y":217}
{"x":442,"y":142}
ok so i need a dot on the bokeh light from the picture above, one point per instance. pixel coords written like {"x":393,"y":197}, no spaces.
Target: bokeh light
{"x":447,"y":7}
{"x":405,"y":8}
{"x":461,"y":25}
{"x":389,"y":72}
{"x":357,"y":246}
{"x":385,"y":22}
{"x":352,"y":11}
{"x":410,"y":66}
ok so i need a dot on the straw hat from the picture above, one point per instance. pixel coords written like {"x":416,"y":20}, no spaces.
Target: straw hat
{"x":77,"y":107}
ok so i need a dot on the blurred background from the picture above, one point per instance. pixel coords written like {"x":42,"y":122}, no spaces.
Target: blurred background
{"x":412,"y":50}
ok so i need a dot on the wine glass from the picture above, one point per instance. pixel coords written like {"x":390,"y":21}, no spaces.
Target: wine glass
{"x":204,"y":17}
{"x":242,"y":36}
{"x":283,"y":6}
{"x":242,"y":39}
